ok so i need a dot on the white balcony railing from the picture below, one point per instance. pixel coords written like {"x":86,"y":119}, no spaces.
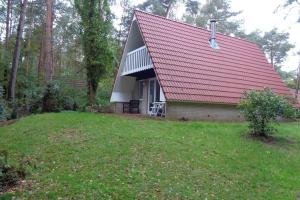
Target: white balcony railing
{"x":136,"y":61}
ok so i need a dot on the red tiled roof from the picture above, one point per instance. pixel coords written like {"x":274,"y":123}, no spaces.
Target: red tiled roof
{"x":188,"y":69}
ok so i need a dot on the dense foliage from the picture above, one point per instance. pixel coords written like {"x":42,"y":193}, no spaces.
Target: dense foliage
{"x":3,"y":107}
{"x":52,"y":98}
{"x":276,"y":46}
{"x":125,"y":23}
{"x":221,"y":11}
{"x":96,"y":21}
{"x":56,"y":98}
{"x":158,"y":7}
{"x":261,"y":108}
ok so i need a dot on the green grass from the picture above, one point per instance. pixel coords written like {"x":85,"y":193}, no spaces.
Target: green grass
{"x":94,"y":156}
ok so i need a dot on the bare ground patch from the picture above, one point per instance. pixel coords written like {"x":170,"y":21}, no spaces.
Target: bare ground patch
{"x":7,"y":123}
{"x":20,"y":186}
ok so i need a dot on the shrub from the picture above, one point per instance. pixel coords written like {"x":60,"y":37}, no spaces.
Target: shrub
{"x":35,"y":106}
{"x":4,"y":111}
{"x":261,"y":108}
{"x":9,"y":175}
{"x":298,"y":113}
{"x":73,"y":98}
{"x":104,"y":91}
{"x":51,"y":101}
{"x":34,"y":97}
{"x":55,"y":98}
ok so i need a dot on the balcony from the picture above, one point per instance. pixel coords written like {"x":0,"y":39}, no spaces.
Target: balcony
{"x":137,"y":61}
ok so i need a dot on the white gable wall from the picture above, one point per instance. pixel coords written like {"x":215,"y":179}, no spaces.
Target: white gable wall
{"x":124,"y":85}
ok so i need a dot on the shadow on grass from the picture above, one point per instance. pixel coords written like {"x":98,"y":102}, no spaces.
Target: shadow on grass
{"x":7,"y":123}
{"x":276,"y":141}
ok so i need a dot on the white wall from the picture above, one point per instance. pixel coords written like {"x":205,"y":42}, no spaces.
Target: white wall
{"x":198,"y":111}
{"x":122,"y":91}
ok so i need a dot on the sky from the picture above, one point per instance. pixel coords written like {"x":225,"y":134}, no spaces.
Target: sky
{"x":258,"y":14}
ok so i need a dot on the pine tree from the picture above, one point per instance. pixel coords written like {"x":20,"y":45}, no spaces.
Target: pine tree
{"x":217,"y":9}
{"x":276,"y":46}
{"x":158,"y":7}
{"x":192,"y":9}
{"x":126,"y":19}
{"x":15,"y":62}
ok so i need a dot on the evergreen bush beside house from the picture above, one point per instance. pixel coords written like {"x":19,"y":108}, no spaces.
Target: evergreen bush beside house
{"x":57,"y":98}
{"x":51,"y":99}
{"x":262,"y":108}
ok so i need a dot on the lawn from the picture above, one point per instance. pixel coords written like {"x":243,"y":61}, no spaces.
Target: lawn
{"x":94,"y":156}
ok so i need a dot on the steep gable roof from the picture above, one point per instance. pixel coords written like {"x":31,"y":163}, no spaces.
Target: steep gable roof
{"x":188,"y":69}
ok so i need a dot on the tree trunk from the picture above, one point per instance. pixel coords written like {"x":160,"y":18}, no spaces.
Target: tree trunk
{"x":92,"y":87}
{"x":28,"y":45}
{"x":7,"y":23}
{"x":16,"y":55}
{"x":7,"y":36}
{"x":48,"y":42}
{"x":91,"y":93}
{"x":42,"y":55}
{"x":168,"y":9}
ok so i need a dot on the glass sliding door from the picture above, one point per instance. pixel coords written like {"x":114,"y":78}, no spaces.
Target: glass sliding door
{"x":157,"y":91}
{"x":153,"y":93}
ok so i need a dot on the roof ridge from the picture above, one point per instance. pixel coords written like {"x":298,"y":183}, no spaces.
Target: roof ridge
{"x":193,"y":26}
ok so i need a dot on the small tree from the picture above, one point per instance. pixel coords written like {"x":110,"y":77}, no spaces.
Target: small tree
{"x":261,"y":108}
{"x":52,"y":98}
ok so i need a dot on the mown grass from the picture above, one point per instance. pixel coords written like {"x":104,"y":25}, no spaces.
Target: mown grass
{"x":94,"y":156}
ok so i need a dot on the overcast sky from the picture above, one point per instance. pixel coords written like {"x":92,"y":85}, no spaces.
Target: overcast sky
{"x":260,"y":14}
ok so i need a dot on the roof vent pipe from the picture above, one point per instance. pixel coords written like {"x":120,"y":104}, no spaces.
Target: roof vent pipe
{"x":212,"y":40}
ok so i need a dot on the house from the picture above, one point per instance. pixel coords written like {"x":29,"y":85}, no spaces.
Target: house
{"x":172,"y":62}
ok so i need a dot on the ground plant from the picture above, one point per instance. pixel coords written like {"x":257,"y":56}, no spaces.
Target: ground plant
{"x":9,"y":175}
{"x":4,"y":111}
{"x":262,"y":108}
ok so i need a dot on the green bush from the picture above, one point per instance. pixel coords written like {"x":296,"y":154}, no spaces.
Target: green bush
{"x":29,"y":93}
{"x":261,"y":108}
{"x":298,"y":113}
{"x":51,"y":101}
{"x":33,"y":98}
{"x":4,"y":111}
{"x":57,"y":98}
{"x":104,"y":90}
{"x":73,"y":98}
